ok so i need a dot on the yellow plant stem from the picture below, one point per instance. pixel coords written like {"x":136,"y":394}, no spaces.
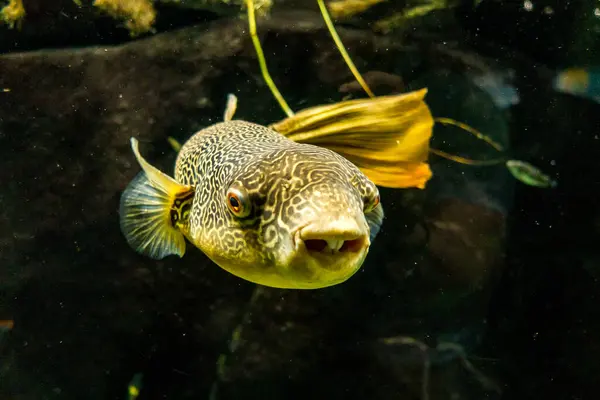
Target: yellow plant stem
{"x":342,"y":50}
{"x":473,"y":131}
{"x":340,"y":46}
{"x":466,"y":161}
{"x":445,"y":121}
{"x":261,"y":60}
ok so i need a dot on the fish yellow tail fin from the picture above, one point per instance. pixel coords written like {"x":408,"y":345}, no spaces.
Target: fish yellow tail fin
{"x":387,"y":137}
{"x":153,"y":209}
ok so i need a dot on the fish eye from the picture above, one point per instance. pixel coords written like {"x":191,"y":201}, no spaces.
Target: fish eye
{"x":238,"y":202}
{"x":372,"y":200}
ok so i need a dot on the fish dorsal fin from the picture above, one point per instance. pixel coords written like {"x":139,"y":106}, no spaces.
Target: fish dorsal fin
{"x":230,"y":107}
{"x":154,"y":208}
{"x":387,"y":137}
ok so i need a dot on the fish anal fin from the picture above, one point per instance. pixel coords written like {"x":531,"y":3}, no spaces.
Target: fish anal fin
{"x":153,"y":211}
{"x":387,"y":137}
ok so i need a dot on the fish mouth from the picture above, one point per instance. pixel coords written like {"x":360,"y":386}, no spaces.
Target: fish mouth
{"x":328,"y":254}
{"x":333,"y":243}
{"x":340,"y":236}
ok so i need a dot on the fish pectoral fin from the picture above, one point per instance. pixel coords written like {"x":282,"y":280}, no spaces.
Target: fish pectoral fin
{"x":387,"y":137}
{"x":374,"y":220}
{"x":152,"y":210}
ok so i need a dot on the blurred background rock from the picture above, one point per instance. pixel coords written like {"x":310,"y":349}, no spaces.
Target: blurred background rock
{"x":505,"y":272}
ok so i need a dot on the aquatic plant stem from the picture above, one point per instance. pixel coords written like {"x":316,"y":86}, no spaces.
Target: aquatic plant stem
{"x":342,"y":49}
{"x":475,"y":132}
{"x":262,"y":62}
{"x":467,"y":161}
{"x":445,"y":121}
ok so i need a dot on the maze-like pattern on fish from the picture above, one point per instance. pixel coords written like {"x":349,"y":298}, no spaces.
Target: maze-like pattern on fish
{"x":289,"y":185}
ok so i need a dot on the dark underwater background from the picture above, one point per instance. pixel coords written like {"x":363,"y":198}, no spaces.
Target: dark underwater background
{"x":478,"y":287}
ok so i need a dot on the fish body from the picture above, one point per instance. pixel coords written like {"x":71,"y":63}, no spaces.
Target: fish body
{"x":261,"y":206}
{"x":134,"y":387}
{"x":582,"y":82}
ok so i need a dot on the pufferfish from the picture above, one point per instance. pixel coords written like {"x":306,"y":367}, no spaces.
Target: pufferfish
{"x":261,"y":206}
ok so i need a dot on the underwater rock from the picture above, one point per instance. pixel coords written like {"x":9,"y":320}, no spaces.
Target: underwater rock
{"x":38,"y":24}
{"x":89,"y":313}
{"x":328,"y":343}
{"x":429,"y":277}
{"x":137,"y":16}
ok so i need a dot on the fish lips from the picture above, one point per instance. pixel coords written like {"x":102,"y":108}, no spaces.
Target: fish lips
{"x":325,"y":257}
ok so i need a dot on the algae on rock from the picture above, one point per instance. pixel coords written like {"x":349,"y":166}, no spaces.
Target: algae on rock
{"x":138,"y":16}
{"x":13,"y":13}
